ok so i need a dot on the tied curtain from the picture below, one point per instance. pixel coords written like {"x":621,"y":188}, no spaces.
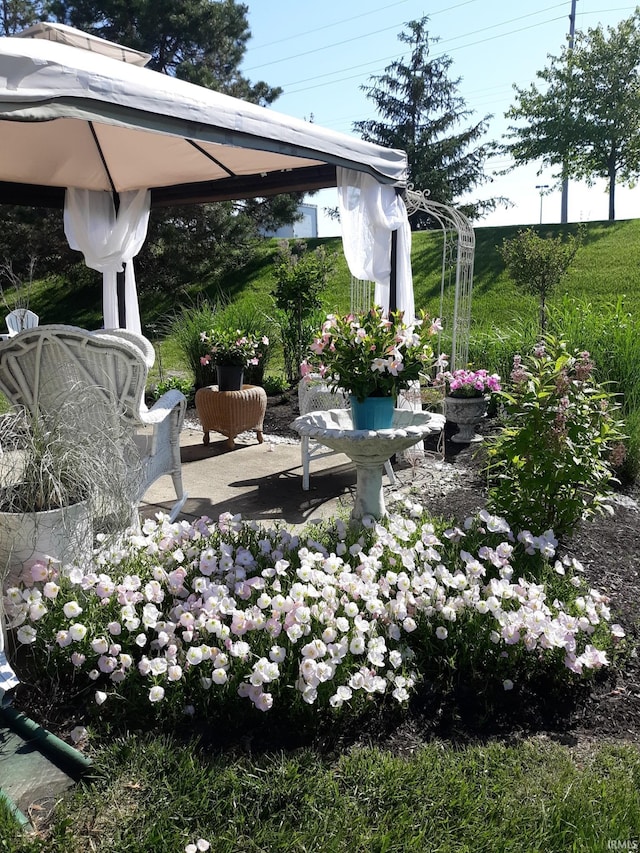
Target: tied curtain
{"x":109,"y":241}
{"x":369,"y":212}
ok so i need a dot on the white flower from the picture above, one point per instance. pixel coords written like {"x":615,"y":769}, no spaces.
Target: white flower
{"x":100,"y":697}
{"x":26,"y":635}
{"x":441,"y":632}
{"x":50,"y":590}
{"x":37,"y":611}
{"x":100,"y":646}
{"x":277,"y":654}
{"x":78,"y":733}
{"x":156,"y":694}
{"x":174,"y":673}
{"x":72,"y":609}
{"x":77,"y":632}
{"x":219,"y":676}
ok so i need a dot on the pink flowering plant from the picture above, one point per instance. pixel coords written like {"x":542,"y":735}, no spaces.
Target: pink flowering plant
{"x":371,"y":355}
{"x":470,"y":383}
{"x":552,"y":463}
{"x":196,"y":617}
{"x":233,"y":347}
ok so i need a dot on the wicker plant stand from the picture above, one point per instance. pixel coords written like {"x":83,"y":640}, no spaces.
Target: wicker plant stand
{"x":231,"y":412}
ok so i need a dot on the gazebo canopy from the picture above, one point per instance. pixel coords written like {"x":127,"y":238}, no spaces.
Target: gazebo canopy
{"x":92,"y":118}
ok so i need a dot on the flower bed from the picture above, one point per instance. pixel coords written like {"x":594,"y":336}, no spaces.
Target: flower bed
{"x":190,"y":616}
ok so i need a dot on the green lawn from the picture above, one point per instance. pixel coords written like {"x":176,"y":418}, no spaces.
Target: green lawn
{"x":155,"y":794}
{"x":605,"y":268}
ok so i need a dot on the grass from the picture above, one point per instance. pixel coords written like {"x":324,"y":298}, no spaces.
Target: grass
{"x":155,"y":794}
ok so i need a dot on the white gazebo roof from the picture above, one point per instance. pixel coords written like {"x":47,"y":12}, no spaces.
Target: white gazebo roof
{"x":78,"y":111}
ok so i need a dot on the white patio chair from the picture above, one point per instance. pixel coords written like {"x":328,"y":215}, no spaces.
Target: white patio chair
{"x":20,"y":319}
{"x":41,"y":367}
{"x":314,"y":395}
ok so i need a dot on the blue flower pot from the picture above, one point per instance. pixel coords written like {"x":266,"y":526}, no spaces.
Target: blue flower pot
{"x":372,"y":413}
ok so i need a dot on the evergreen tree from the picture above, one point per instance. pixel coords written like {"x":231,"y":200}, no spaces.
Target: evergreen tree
{"x":421,"y":112}
{"x":16,"y":15}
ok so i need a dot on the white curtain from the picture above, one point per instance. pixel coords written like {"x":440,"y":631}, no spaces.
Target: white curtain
{"x":109,"y":241}
{"x":369,"y":212}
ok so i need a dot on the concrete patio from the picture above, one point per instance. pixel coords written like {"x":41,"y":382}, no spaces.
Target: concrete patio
{"x":259,"y":481}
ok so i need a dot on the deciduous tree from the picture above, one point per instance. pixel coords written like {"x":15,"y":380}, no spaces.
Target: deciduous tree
{"x":584,"y":121}
{"x":538,"y":264}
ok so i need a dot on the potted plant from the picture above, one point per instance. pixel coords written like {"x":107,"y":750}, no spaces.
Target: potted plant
{"x":62,"y":479}
{"x":232,"y":352}
{"x":372,"y":357}
{"x":468,"y":393}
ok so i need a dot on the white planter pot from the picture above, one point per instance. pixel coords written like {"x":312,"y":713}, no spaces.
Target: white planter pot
{"x":65,"y":534}
{"x":466,"y":412}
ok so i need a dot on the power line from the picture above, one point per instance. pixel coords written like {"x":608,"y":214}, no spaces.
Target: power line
{"x":394,"y":26}
{"x":335,"y":24}
{"x":398,"y":56}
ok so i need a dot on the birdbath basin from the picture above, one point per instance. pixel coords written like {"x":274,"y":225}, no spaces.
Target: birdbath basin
{"x":368,"y":449}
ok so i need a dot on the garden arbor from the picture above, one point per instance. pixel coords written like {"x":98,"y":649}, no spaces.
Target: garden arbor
{"x":458,"y":253}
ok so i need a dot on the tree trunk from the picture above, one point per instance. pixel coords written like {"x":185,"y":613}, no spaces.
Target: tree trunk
{"x":612,"y":186}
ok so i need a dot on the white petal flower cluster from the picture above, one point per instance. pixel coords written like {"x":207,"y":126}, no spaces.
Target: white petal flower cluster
{"x":228,"y":606}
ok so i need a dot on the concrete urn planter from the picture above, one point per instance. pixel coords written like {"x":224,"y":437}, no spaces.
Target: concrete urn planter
{"x":466,"y":413}
{"x":65,"y":534}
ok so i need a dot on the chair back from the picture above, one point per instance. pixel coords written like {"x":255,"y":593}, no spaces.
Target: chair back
{"x":314,"y":394}
{"x":20,"y":319}
{"x":44,"y":367}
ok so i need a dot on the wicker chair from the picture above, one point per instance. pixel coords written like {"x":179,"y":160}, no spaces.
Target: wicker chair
{"x":314,"y":395}
{"x":41,"y":367}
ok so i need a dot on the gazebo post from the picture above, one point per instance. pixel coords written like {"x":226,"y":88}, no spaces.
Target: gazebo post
{"x":393,"y":276}
{"x":122,"y":308}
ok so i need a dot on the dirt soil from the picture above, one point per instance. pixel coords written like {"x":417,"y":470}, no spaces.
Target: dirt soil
{"x":609,"y":549}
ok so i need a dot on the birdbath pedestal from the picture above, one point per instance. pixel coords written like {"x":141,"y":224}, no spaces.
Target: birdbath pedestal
{"x":368,"y":449}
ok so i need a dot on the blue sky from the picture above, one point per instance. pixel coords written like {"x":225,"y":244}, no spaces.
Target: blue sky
{"x":321,"y":53}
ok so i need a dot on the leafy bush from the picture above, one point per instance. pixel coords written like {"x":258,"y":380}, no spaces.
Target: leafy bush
{"x":300,"y":278}
{"x":538,"y":264}
{"x":275,"y":385}
{"x":177,"y":383}
{"x":551,"y":464}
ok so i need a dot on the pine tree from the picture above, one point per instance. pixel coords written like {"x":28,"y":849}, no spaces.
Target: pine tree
{"x":421,"y":112}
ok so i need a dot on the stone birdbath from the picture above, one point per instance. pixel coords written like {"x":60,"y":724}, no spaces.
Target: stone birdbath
{"x":368,"y":449}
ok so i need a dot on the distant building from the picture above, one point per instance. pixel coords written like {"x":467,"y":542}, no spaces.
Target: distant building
{"x":305,"y":228}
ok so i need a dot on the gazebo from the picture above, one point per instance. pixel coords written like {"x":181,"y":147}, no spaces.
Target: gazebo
{"x":88,"y":129}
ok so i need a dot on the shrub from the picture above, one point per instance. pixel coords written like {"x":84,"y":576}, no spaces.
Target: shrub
{"x":551,"y":463}
{"x":300,"y":278}
{"x":275,"y":385}
{"x":185,"y":386}
{"x":538,"y":264}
